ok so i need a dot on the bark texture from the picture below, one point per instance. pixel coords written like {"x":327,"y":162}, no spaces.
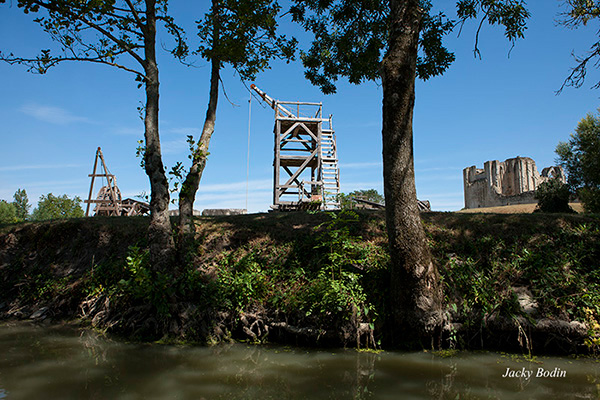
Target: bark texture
{"x":416,"y":289}
{"x":187,"y":195}
{"x":159,"y":231}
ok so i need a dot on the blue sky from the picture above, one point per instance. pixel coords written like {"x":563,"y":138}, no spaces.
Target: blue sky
{"x":490,"y":109}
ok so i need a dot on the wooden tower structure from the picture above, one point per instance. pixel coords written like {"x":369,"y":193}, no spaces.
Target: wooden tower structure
{"x":108,"y":201}
{"x":305,"y":164}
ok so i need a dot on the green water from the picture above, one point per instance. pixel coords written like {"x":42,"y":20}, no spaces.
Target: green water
{"x":63,"y":363}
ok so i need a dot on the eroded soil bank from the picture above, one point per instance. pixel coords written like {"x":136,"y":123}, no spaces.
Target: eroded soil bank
{"x":528,"y":283}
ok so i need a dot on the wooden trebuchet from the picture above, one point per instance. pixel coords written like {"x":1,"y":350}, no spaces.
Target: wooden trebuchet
{"x":108,"y":201}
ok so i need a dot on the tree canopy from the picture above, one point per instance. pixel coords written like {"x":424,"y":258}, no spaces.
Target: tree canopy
{"x":57,"y":207}
{"x":346,"y":200}
{"x":351,"y":37}
{"x":580,"y":157}
{"x":21,"y":204}
{"x":8,"y":213}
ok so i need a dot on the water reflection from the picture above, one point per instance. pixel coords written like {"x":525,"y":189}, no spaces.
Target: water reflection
{"x":46,"y":362}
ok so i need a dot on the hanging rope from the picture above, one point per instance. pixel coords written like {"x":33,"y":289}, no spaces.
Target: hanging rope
{"x":248,"y":156}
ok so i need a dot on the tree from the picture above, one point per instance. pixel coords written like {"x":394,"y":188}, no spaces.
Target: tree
{"x":580,"y":157}
{"x":365,"y":194}
{"x":21,"y":204}
{"x":8,"y":213}
{"x":397,"y":41}
{"x":57,"y":207}
{"x":553,"y":197}
{"x":243,"y":34}
{"x":121,"y":34}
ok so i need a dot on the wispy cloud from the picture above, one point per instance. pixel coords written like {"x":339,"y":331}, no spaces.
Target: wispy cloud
{"x":442,"y":196}
{"x":174,"y":146}
{"x":261,"y":184}
{"x":434,"y":169}
{"x":439,"y":177}
{"x":41,"y":166}
{"x":184,"y":131}
{"x":130,"y":131}
{"x":350,"y":186}
{"x":361,"y":165}
{"x":53,"y":115}
{"x":56,"y":186}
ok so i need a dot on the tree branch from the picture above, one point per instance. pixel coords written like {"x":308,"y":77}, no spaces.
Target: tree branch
{"x":136,"y":16}
{"x":95,"y":26}
{"x":578,"y":73}
{"x":40,"y":65}
{"x":476,"y":51}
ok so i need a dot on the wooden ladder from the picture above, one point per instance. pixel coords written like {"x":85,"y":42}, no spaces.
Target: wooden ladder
{"x":330,"y":174}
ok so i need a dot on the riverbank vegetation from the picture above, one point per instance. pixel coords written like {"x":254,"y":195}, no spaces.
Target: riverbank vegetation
{"x":521,"y":282}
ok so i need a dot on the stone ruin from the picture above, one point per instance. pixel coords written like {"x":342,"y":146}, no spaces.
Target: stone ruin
{"x":513,"y":181}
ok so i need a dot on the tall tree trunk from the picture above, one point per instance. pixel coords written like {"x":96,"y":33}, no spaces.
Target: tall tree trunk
{"x":187,"y":195}
{"x":416,"y":289}
{"x":159,"y":231}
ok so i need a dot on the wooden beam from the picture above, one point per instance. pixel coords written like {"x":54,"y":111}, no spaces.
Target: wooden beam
{"x":87,"y":209}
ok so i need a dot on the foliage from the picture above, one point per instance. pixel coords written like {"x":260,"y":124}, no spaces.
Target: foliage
{"x":21,"y":203}
{"x":333,"y":274}
{"x":347,"y":202}
{"x":55,"y":207}
{"x":243,"y":34}
{"x":8,"y":213}
{"x":320,"y":279}
{"x":351,"y":37}
{"x":580,"y":157}
{"x":553,"y":197}
{"x":119,"y":28}
{"x":485,"y":259}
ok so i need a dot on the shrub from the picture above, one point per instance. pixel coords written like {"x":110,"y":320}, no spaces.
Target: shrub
{"x":553,"y":197}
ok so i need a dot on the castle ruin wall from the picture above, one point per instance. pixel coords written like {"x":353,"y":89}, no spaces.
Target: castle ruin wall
{"x":510,"y":182}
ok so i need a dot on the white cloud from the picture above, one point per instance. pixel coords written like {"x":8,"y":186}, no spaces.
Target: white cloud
{"x":174,"y":146}
{"x":43,"y":166}
{"x":53,"y":115}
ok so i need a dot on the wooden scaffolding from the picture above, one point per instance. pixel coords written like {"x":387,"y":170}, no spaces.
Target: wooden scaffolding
{"x":305,"y":164}
{"x":108,"y":201}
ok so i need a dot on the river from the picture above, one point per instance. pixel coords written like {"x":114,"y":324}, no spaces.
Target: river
{"x":65,"y":363}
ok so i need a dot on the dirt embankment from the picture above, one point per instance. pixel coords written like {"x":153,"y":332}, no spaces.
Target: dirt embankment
{"x":522,"y":282}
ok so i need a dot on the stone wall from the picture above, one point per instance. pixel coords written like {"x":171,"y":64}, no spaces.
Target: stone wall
{"x":513,"y":181}
{"x":223,"y":211}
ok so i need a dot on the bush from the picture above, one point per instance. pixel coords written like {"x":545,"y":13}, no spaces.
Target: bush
{"x":55,"y":207}
{"x":8,"y":213}
{"x":553,"y":197}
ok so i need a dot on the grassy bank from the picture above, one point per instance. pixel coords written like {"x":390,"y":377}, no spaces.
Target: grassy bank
{"x":529,"y":282}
